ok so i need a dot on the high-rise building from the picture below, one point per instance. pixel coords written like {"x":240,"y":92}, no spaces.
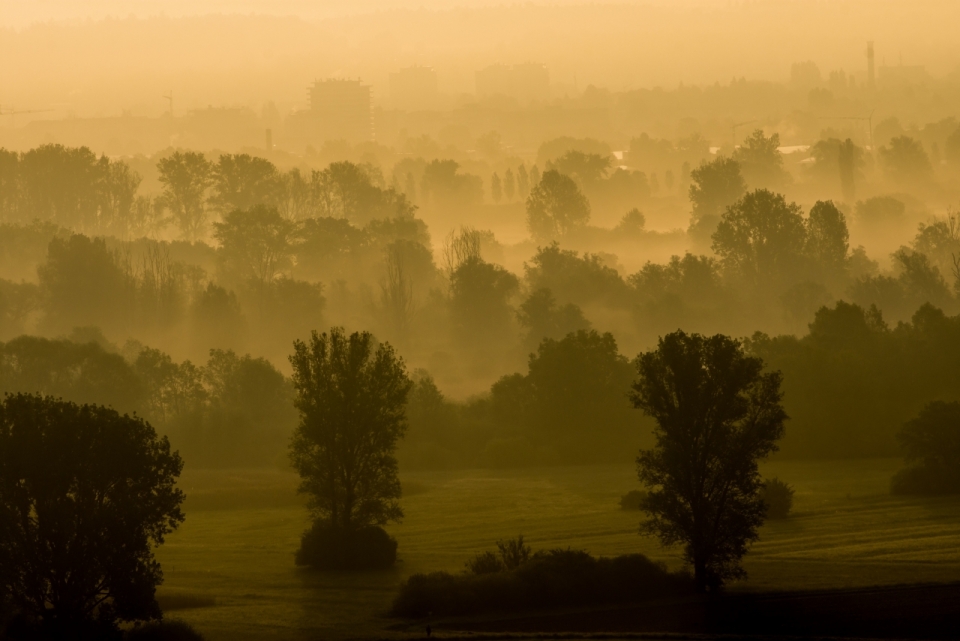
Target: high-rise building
{"x":340,"y":109}
{"x":414,"y":88}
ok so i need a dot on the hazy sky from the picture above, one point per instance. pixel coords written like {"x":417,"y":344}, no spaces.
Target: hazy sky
{"x":72,"y":55}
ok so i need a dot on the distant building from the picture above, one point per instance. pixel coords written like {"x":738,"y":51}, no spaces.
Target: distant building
{"x":526,"y":82}
{"x":339,"y":110}
{"x":414,"y":88}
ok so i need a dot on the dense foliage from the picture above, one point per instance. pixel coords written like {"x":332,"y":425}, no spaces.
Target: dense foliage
{"x":717,"y":415}
{"x":85,"y":496}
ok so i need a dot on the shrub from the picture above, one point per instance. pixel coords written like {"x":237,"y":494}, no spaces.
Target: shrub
{"x":485,"y":563}
{"x":931,"y":449}
{"x":633,"y":500}
{"x":325,"y":548}
{"x":164,"y":631}
{"x":513,"y":553}
{"x":553,"y":578}
{"x":778,"y":497}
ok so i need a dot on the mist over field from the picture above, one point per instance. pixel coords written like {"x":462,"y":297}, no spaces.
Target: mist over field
{"x":393,"y":319}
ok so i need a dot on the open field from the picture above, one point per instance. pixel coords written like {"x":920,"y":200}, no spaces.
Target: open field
{"x":233,"y":558}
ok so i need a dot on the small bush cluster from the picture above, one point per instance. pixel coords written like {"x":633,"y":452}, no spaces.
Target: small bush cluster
{"x":510,"y":555}
{"x":164,"y":631}
{"x":778,"y":496}
{"x":325,"y":548}
{"x":548,"y":579}
{"x":633,"y":500}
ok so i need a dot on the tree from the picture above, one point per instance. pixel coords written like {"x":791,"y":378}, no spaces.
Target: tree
{"x":717,"y":414}
{"x":83,"y":284}
{"x":760,"y":237}
{"x":185,"y":177}
{"x":352,"y":398}
{"x":242,"y":181}
{"x":760,"y":161}
{"x":828,"y":240}
{"x":509,"y":184}
{"x":556,"y":207}
{"x":715,"y":186}
{"x":931,"y":447}
{"x":905,"y":160}
{"x":444,"y":186}
{"x":496,"y":188}
{"x":542,"y":318}
{"x":480,"y":294}
{"x":85,"y":494}
{"x":586,"y":169}
{"x":255,"y":244}
{"x":348,"y":190}
{"x":523,"y":181}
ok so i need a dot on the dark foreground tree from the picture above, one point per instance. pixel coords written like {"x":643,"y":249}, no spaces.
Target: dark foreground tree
{"x":85,"y":495}
{"x":352,"y":397}
{"x":717,"y":414}
{"x":931,"y":449}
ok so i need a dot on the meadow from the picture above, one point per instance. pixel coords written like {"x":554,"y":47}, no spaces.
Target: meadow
{"x":229,"y":570}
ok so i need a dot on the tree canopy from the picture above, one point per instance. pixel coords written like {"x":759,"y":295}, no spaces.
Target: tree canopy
{"x":717,"y":415}
{"x":85,"y":495}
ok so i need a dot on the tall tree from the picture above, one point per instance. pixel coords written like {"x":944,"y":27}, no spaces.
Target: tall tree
{"x":496,"y":188}
{"x":185,"y":177}
{"x":85,"y":495}
{"x":828,"y":240}
{"x":509,"y":185}
{"x":760,"y":237}
{"x":717,"y":415}
{"x":242,"y":181}
{"x":715,"y":186}
{"x":556,"y":207}
{"x":760,"y":161}
{"x":351,"y":396}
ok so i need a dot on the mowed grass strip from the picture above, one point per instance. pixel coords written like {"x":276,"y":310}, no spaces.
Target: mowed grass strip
{"x":236,"y":547}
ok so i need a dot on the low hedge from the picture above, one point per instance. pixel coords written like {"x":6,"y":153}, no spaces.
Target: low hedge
{"x":551,"y":578}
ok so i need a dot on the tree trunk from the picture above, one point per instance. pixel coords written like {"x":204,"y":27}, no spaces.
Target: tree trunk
{"x":700,"y":574}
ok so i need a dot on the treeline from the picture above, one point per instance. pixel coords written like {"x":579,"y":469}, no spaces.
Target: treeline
{"x":230,"y":411}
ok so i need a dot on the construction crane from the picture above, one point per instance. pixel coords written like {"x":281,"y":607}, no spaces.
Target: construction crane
{"x":13,"y":113}
{"x":169,"y":98}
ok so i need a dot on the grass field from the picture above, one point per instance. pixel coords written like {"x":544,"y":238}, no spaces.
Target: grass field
{"x":229,"y":569}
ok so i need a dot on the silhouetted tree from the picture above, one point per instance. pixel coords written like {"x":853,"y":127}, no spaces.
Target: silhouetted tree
{"x":242,"y":181}
{"x":496,"y":188}
{"x":828,"y":240}
{"x":85,"y":495}
{"x":185,"y":177}
{"x":931,"y":448}
{"x":9,"y":186}
{"x":509,"y":184}
{"x":480,"y":294}
{"x":82,"y":283}
{"x":352,"y":191}
{"x":760,"y":161}
{"x":556,"y":207}
{"x":523,"y":181}
{"x":444,"y":186}
{"x":351,"y":397}
{"x":905,"y":160}
{"x":715,"y":186}
{"x":586,"y":169}
{"x":717,"y":415}
{"x":542,"y":318}
{"x":760,"y":237}
{"x":255,"y":245}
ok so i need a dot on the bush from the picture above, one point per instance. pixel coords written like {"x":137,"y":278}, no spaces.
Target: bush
{"x":553,"y":578}
{"x":164,"y":631}
{"x":633,"y":500}
{"x":325,"y":548}
{"x":931,"y":449}
{"x":778,"y":496}
{"x":926,"y":480}
{"x":485,"y":563}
